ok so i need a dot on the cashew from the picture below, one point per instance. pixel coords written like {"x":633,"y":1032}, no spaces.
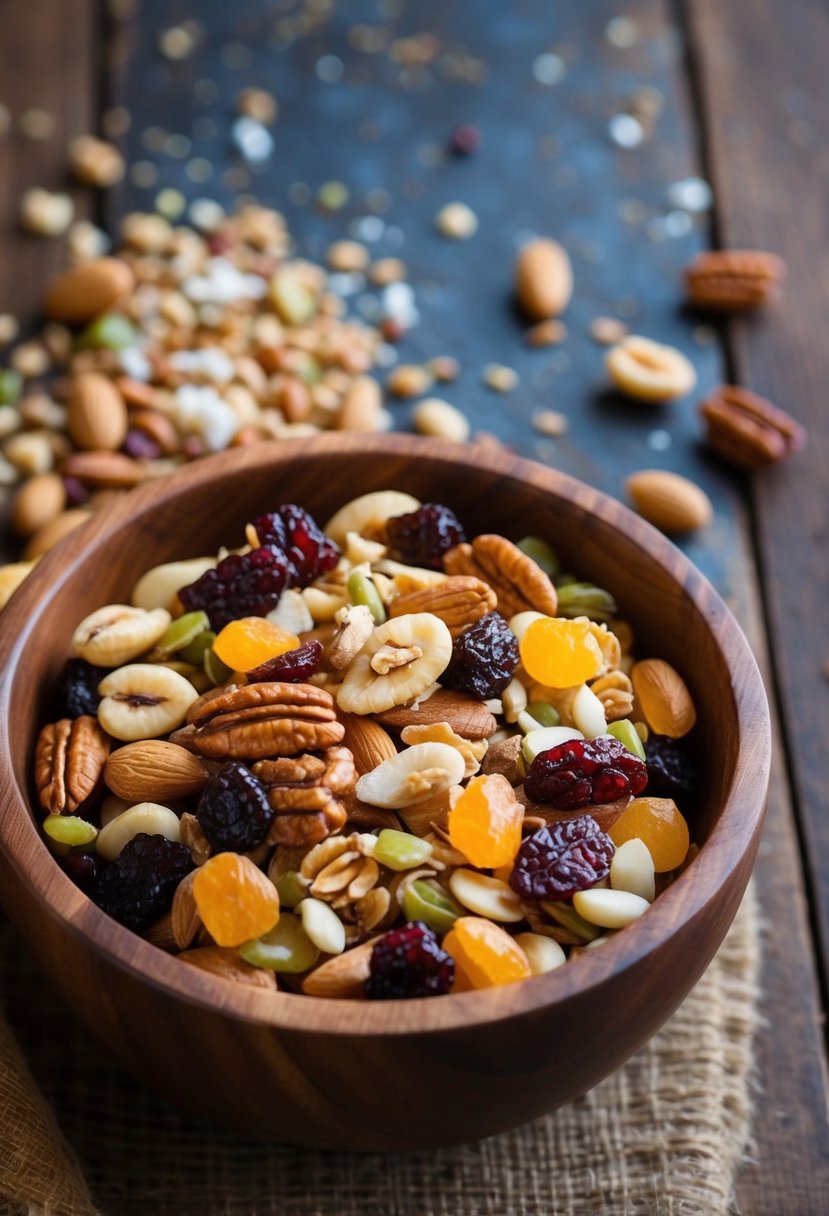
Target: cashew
{"x":412,"y":776}
{"x":143,"y":701}
{"x":365,"y":691}
{"x":368,"y":513}
{"x":117,"y":634}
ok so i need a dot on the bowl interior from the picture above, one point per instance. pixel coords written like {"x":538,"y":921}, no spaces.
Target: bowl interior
{"x":674,"y":612}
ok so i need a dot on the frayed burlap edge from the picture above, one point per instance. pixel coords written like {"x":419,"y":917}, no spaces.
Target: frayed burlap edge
{"x":663,"y":1136}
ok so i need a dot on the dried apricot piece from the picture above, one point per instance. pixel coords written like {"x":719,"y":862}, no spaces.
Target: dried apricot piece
{"x":560,"y":653}
{"x":252,"y":640}
{"x":485,"y":822}
{"x":235,"y":900}
{"x":658,"y":824}
{"x":485,"y":955}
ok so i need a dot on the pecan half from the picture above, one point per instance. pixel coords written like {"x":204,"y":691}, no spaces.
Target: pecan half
{"x":262,"y":720}
{"x":517,"y":581}
{"x":69,"y":763}
{"x":748,"y":431}
{"x":460,"y":601}
{"x":306,"y":792}
{"x":732,"y":280}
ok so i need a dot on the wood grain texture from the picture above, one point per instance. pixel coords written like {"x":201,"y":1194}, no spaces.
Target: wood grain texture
{"x":497,"y":1057}
{"x":764,"y":94}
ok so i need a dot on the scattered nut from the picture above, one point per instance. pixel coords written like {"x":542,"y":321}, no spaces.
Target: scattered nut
{"x":456,"y":221}
{"x":649,"y":371}
{"x":441,"y":420}
{"x":668,"y":501}
{"x":45,"y":213}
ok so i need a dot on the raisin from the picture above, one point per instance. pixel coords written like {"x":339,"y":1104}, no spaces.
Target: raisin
{"x":138,"y":886}
{"x":562,"y":858}
{"x":78,"y":688}
{"x":581,"y":771}
{"x":82,"y":868}
{"x":243,"y":584}
{"x":423,"y":536}
{"x":292,"y":531}
{"x":484,"y":658}
{"x":409,"y":962}
{"x":233,"y":811}
{"x":293,"y":667}
{"x":671,"y":771}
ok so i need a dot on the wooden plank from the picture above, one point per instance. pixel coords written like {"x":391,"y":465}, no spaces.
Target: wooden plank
{"x":47,"y":63}
{"x":766,"y":93}
{"x":736,"y":53}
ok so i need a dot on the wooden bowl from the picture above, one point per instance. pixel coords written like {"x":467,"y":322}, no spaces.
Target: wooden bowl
{"x":403,"y":1074}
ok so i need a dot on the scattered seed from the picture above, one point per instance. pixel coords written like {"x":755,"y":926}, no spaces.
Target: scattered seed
{"x":438,"y":418}
{"x":547,"y":333}
{"x":499,"y":378}
{"x":386,"y":271}
{"x":44,"y":213}
{"x":622,"y":32}
{"x":258,"y":104}
{"x":333,"y":196}
{"x":444,"y":368}
{"x":456,"y":221}
{"x":550,"y":422}
{"x":625,"y":131}
{"x":347,"y":256}
{"x":9,"y":328}
{"x":409,"y":380}
{"x":607,"y":331}
{"x":177,"y":42}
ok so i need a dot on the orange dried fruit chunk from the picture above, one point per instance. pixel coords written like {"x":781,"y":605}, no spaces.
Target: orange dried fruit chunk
{"x":252,"y":640}
{"x":235,"y":900}
{"x":485,"y":955}
{"x":658,"y":824}
{"x":485,"y":822}
{"x":560,"y":653}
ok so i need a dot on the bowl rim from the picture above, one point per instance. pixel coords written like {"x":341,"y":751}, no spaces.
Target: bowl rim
{"x":733,"y":835}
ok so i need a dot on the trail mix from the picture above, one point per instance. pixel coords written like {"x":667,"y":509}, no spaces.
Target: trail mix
{"x":377,"y":760}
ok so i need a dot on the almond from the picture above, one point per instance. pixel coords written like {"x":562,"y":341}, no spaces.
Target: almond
{"x":185,"y":921}
{"x":543,"y":279}
{"x":97,"y":415}
{"x":54,"y":531}
{"x":361,"y":406}
{"x":469,"y":718}
{"x":342,"y":976}
{"x":153,"y":770}
{"x":369,"y":744}
{"x":664,"y":698}
{"x":668,"y":501}
{"x":227,"y":963}
{"x":103,"y":470}
{"x":38,"y":501}
{"x":460,"y":601}
{"x":85,"y":291}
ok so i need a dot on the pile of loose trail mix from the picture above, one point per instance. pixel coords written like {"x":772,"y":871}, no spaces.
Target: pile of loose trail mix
{"x":378,"y":760}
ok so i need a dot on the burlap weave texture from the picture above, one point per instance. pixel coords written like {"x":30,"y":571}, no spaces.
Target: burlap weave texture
{"x":661,"y":1137}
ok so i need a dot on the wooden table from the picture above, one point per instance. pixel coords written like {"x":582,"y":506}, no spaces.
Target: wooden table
{"x":739,"y":94}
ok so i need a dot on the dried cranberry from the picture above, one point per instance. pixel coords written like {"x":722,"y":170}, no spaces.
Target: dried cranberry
{"x":293,"y":667}
{"x":423,"y":536}
{"x":292,"y":531}
{"x":409,"y":962}
{"x":233,"y":811}
{"x":140,"y":446}
{"x":82,"y":868}
{"x":671,"y":771}
{"x":78,"y":687}
{"x":243,"y":584}
{"x":580,"y":771}
{"x":484,"y":658}
{"x":562,"y":858}
{"x":76,"y":492}
{"x":465,"y":139}
{"x":138,"y":886}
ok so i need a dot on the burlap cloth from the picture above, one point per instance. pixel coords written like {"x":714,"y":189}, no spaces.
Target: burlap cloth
{"x":663,"y":1136}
